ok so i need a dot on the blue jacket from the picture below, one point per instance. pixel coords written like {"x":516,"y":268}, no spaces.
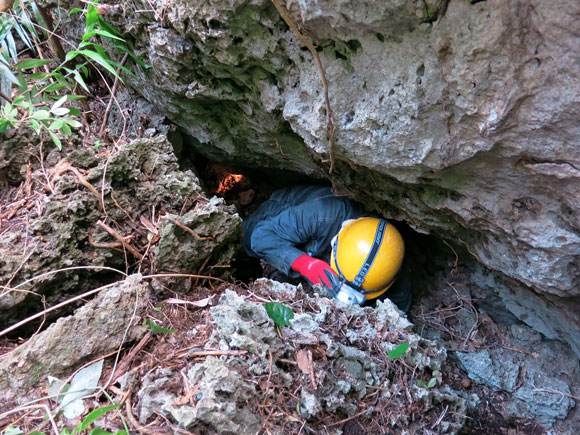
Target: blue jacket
{"x":296,"y":221}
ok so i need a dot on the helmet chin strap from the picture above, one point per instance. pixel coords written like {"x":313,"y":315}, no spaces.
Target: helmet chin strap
{"x":360,"y":277}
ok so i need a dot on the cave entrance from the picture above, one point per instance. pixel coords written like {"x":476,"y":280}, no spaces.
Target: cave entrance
{"x":247,"y":188}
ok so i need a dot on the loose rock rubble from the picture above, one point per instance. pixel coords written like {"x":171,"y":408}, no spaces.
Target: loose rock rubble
{"x":330,"y":365}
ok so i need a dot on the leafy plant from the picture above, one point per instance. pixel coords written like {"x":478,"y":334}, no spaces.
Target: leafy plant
{"x":398,"y":351}
{"x":156,"y":329}
{"x":41,"y":96}
{"x":280,"y":314}
{"x":432,"y":382}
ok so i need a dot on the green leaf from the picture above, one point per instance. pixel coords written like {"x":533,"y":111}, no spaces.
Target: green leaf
{"x":58,"y":103}
{"x":33,"y":63}
{"x":13,"y":430}
{"x":35,"y":126}
{"x":7,"y":75}
{"x":93,"y":415}
{"x":435,"y":372}
{"x":55,"y":139}
{"x":99,"y":431}
{"x":156,"y":329}
{"x":73,"y":123}
{"x":280,"y":314}
{"x":61,"y":111}
{"x":56,"y":124}
{"x":74,"y":111}
{"x":40,"y":75}
{"x":74,"y":11}
{"x":65,"y":130}
{"x":71,"y":55}
{"x":79,"y":79}
{"x":108,"y":35}
{"x":4,"y":125}
{"x":105,"y":63}
{"x":91,"y":18}
{"x":40,"y":115}
{"x":55,"y":87}
{"x":432,"y":383}
{"x":398,"y":351}
{"x":421,"y":383}
{"x":88,"y":35}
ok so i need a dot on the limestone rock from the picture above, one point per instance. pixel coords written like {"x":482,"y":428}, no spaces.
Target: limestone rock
{"x":96,"y":329}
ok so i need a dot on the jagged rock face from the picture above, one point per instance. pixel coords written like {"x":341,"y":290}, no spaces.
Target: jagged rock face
{"x":461,"y":118}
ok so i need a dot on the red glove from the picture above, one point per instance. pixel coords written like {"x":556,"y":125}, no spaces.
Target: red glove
{"x":313,"y":270}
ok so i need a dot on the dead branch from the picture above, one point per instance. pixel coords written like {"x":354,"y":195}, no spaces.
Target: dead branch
{"x":53,"y":41}
{"x":111,"y":245}
{"x":64,"y":166}
{"x":183,"y":275}
{"x":127,"y":359}
{"x":2,"y":94}
{"x":547,"y":390}
{"x":138,"y":427}
{"x":213,"y":353}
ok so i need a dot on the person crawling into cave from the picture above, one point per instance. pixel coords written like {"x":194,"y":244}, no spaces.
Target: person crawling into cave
{"x":329,"y":240}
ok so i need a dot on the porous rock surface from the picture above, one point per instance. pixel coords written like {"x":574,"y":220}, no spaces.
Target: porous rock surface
{"x":460,"y":118}
{"x":138,"y":180}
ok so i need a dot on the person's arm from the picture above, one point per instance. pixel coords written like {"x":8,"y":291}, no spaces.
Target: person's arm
{"x":280,"y":239}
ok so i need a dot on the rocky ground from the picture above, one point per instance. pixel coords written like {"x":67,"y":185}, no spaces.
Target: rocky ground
{"x":178,"y":335}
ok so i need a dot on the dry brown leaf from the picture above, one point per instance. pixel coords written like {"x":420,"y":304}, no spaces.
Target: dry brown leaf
{"x":304,"y":360}
{"x":149,"y":225}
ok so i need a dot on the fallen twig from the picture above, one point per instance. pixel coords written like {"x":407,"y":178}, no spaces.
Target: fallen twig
{"x":440,"y":417}
{"x":183,"y":275}
{"x":186,"y":228}
{"x":138,"y":427}
{"x":56,"y":307}
{"x":547,"y":390}
{"x":126,"y":361}
{"x":110,"y":245}
{"x":268,"y":380}
{"x":346,"y":419}
{"x":44,"y":407}
{"x":217,"y":353}
{"x":120,"y":238}
{"x":64,"y":166}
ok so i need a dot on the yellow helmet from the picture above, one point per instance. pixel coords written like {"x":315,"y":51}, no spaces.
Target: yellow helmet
{"x":367,"y":253}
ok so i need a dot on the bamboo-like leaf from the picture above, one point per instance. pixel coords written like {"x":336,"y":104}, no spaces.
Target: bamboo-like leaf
{"x":32,"y":63}
{"x":105,"y":63}
{"x":156,"y":329}
{"x":94,"y":415}
{"x":398,"y":351}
